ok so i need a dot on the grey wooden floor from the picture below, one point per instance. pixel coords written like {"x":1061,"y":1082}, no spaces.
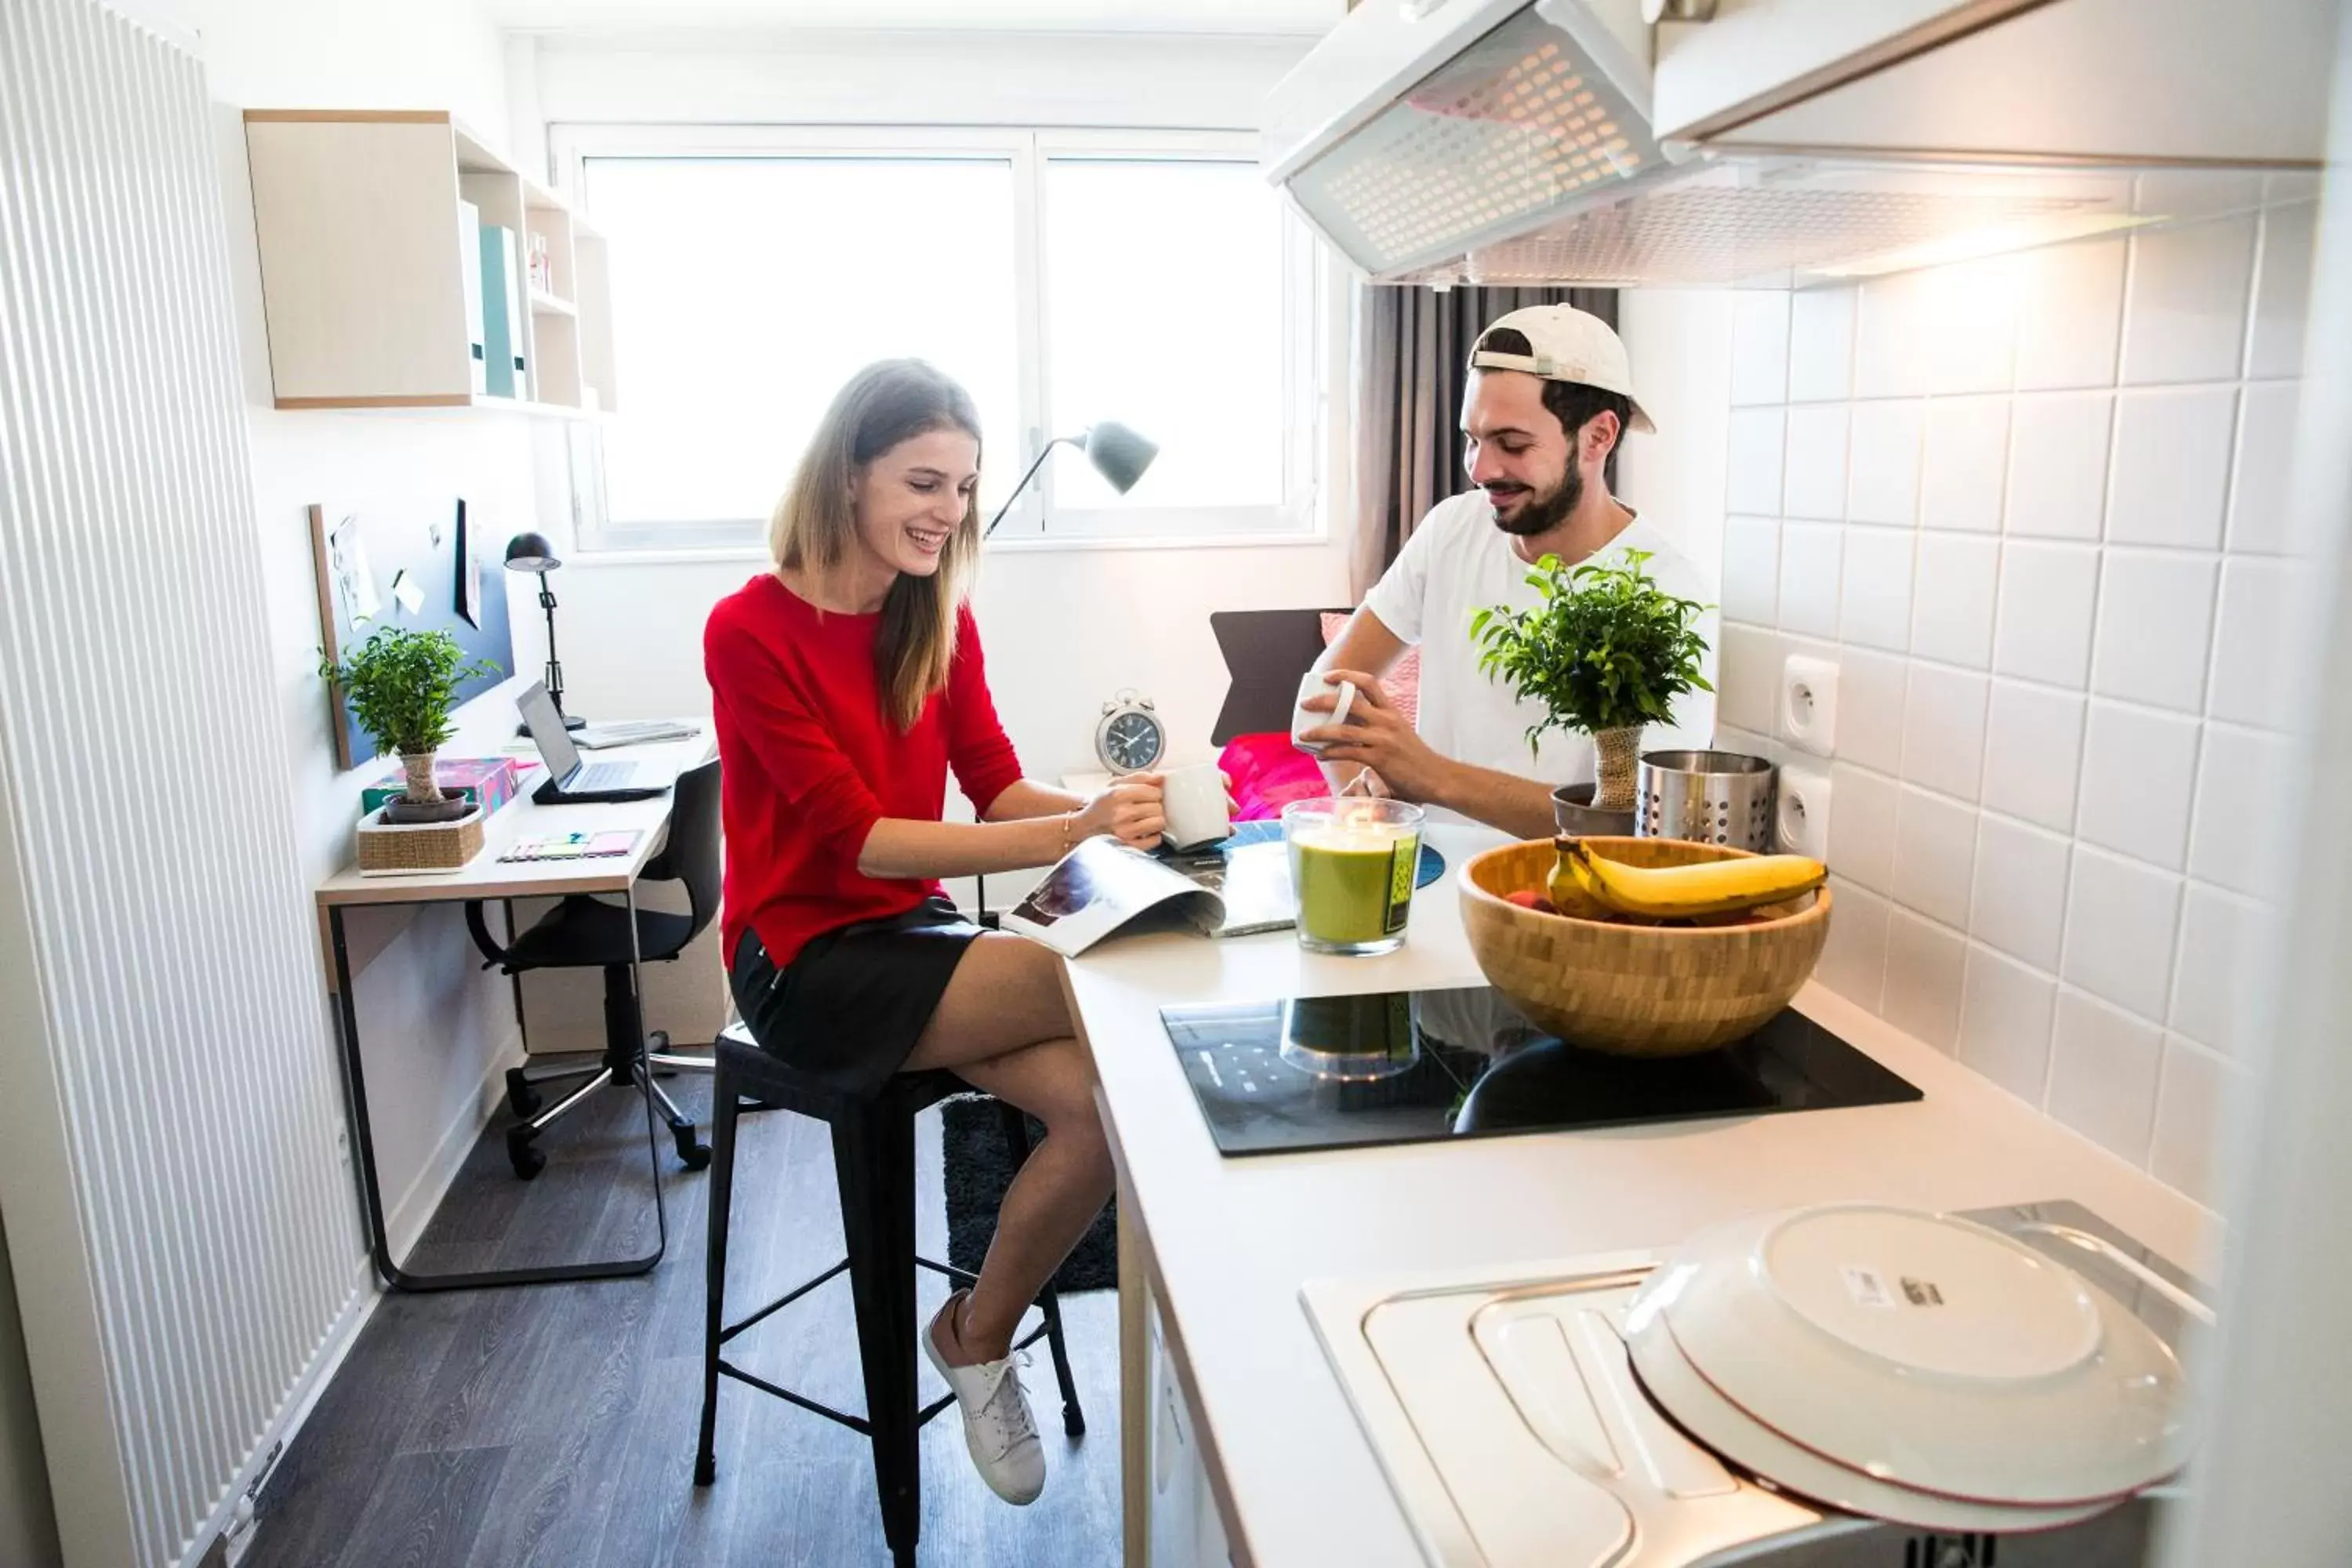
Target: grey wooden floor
{"x":555,"y":1425}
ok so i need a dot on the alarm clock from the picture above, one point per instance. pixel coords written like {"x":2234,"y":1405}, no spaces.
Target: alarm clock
{"x":1130,"y":737}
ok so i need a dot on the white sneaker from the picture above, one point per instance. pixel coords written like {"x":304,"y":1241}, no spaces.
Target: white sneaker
{"x":997,"y":1426}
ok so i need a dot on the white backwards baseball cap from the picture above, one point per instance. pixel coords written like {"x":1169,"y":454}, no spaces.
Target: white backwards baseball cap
{"x":1568,"y":344}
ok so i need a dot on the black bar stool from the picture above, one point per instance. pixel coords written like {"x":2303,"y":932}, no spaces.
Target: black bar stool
{"x":873,"y":1161}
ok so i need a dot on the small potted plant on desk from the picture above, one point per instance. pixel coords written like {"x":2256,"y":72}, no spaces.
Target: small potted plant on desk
{"x":402,"y":685}
{"x":1606,"y":653}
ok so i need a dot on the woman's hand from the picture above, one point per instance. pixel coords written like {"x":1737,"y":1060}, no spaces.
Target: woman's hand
{"x":1130,"y":810}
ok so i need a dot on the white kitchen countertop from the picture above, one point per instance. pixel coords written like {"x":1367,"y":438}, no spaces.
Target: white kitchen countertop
{"x":1233,"y":1239}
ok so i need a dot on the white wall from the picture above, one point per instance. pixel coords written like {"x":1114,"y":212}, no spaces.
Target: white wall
{"x":1679,"y":343}
{"x":350,"y":54}
{"x":1065,"y":628}
{"x":433,"y":1027}
{"x":2033,"y":508}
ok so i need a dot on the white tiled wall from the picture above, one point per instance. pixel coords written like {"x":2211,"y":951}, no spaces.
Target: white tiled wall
{"x":2032,"y":507}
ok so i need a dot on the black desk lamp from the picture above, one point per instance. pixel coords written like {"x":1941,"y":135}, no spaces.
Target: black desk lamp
{"x":1117,"y":453}
{"x":531,"y":553}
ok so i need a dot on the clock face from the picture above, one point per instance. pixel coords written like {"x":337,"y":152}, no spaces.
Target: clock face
{"x":1130,"y":741}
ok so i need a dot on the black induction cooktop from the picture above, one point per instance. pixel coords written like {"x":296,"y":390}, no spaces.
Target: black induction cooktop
{"x":1410,"y":1066}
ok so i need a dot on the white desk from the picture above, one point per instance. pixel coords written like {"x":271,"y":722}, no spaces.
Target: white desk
{"x":1221,"y":1245}
{"x":487,"y":880}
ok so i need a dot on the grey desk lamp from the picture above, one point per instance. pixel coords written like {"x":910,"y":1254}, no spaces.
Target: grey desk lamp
{"x":1118,"y":454}
{"x":531,"y":553}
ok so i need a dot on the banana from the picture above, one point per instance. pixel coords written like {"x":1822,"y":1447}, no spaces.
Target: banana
{"x":1568,"y":895}
{"x":1684,"y":892}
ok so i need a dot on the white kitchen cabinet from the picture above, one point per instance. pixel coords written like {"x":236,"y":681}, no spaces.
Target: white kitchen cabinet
{"x":1759,"y":52}
{"x":1184,"y":1530}
{"x":2090,"y":79}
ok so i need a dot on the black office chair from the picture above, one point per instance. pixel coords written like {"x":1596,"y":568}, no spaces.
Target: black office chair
{"x":586,"y":933}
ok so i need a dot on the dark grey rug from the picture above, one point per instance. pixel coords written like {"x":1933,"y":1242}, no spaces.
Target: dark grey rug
{"x":977,"y":1167}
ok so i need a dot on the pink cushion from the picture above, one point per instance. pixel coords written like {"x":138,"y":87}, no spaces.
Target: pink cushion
{"x":1267,"y":773}
{"x":1401,"y":685}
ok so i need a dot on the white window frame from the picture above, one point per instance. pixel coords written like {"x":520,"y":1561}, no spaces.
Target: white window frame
{"x":1316,"y":328}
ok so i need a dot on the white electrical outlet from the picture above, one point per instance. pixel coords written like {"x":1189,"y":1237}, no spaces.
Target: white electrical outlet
{"x":1808,"y":715}
{"x":1803,"y":814}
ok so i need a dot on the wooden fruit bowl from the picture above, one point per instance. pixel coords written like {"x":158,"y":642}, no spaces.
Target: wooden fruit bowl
{"x":1635,"y":990}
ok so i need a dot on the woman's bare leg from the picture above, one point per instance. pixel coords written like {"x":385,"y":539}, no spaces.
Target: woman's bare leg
{"x":1001,"y":1025}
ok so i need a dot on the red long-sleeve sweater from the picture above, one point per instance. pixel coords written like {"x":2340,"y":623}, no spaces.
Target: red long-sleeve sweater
{"x":811,"y":762}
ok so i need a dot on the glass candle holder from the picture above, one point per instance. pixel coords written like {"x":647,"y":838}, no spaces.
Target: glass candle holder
{"x":1352,"y":863}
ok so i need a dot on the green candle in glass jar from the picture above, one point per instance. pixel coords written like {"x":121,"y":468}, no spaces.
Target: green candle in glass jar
{"x":1352,"y":863}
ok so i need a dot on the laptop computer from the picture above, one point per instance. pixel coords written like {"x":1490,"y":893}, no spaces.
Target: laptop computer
{"x":571,"y":781}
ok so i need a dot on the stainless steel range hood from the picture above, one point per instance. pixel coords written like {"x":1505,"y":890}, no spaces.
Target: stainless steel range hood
{"x":1784,"y":140}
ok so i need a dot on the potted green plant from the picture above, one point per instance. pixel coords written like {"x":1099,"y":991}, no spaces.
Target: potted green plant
{"x":1606,"y":653}
{"x":402,"y":685}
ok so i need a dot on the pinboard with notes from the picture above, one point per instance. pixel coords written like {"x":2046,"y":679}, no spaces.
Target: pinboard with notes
{"x":420,"y":569}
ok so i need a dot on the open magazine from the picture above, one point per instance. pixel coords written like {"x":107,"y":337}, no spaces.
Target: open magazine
{"x":1103,"y":885}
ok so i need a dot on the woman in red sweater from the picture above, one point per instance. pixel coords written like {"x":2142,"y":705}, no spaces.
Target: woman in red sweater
{"x":846,"y":683}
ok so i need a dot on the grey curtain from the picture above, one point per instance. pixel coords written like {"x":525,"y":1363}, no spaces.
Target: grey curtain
{"x":1412,"y":342}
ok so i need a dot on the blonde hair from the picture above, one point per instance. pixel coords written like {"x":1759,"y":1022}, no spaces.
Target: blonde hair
{"x":890,"y":401}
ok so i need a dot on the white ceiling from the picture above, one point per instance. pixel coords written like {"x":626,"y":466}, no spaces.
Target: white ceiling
{"x":1284,"y":17}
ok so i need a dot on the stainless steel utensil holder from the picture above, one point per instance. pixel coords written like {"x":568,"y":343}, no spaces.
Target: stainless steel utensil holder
{"x":1709,"y":798}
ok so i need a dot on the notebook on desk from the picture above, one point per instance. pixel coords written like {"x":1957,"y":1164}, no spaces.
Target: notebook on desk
{"x":571,"y":781}
{"x":571,"y":846}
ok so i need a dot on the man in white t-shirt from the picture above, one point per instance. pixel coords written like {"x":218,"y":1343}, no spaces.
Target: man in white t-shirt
{"x":1549,"y":395}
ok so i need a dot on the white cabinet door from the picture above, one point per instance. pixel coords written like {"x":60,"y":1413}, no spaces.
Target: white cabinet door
{"x":1184,"y":1531}
{"x":2164,"y":80}
{"x":1175,"y":1464}
{"x":1756,"y":52}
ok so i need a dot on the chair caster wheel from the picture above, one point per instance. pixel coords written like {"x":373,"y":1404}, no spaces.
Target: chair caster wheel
{"x":527,"y":1160}
{"x":706,"y":1471}
{"x":694,"y":1154}
{"x":521,"y":1097}
{"x":1074,"y":1421}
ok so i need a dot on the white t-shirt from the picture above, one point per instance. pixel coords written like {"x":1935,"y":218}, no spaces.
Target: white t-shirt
{"x":1458,"y":562}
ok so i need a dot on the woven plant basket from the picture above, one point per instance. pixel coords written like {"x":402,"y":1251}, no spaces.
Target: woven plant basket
{"x":1635,"y":990}
{"x":1616,"y":758}
{"x":391,"y":849}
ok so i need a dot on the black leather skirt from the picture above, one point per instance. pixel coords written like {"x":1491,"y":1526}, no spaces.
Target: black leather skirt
{"x":849,"y":1007}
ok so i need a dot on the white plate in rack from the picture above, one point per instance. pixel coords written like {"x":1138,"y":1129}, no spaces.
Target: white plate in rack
{"x":1926,"y":1352}
{"x":1670,"y":1380}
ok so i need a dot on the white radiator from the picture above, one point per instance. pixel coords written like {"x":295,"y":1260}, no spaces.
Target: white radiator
{"x":182,"y":1226}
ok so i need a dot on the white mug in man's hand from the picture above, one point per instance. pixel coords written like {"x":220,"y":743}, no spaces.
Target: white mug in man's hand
{"x":1193,"y":799}
{"x":1315,"y":684}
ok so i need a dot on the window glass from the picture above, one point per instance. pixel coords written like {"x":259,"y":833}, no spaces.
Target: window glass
{"x":747,"y":289}
{"x":1163,"y":289}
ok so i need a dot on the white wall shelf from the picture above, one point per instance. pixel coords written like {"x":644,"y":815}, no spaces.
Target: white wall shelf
{"x":363,"y":247}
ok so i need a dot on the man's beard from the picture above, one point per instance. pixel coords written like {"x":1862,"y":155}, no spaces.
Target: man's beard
{"x":1540,"y":514}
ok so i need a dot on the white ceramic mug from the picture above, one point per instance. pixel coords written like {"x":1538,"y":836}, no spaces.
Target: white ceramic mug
{"x":1194,"y":800}
{"x":1313,"y":684}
